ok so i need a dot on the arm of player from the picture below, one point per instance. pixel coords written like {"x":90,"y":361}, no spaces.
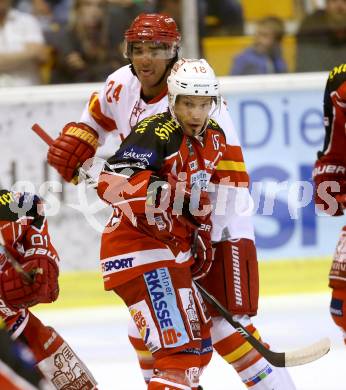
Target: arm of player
{"x":329,"y":174}
{"x":40,"y":260}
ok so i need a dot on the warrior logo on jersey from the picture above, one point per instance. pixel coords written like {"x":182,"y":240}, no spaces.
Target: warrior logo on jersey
{"x":165,"y":306}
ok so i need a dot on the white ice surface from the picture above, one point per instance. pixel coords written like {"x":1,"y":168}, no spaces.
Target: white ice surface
{"x":99,"y":336}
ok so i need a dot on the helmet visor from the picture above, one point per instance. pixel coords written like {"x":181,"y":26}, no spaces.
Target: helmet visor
{"x":154,"y":50}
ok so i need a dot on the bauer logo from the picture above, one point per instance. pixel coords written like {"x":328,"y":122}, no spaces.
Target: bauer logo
{"x":166,"y":309}
{"x":16,"y":324}
{"x":117,"y":264}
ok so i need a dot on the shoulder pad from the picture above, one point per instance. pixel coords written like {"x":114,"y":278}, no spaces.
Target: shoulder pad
{"x":159,"y":125}
{"x":213,"y":125}
{"x":336,"y":77}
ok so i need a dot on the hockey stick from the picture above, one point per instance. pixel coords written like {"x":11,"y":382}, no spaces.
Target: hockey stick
{"x":36,"y":128}
{"x":42,"y":134}
{"x":278,"y":359}
{"x":16,"y":264}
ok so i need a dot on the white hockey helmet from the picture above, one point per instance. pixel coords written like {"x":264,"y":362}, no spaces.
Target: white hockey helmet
{"x":193,"y":77}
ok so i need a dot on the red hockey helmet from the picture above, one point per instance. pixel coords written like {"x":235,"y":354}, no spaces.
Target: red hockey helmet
{"x":157,"y":28}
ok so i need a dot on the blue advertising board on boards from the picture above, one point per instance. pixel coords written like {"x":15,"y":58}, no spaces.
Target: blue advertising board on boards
{"x":281,"y":132}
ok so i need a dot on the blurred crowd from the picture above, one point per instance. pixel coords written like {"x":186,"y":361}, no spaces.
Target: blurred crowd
{"x":74,"y":41}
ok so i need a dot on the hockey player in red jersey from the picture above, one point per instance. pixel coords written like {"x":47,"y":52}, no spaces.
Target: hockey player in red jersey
{"x":329,"y":176}
{"x":131,"y":94}
{"x":24,"y":240}
{"x":157,"y":184}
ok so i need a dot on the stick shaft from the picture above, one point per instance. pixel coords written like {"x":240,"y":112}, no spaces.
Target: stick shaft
{"x":277,"y":359}
{"x":42,"y":134}
{"x":49,"y":141}
{"x":16,"y":264}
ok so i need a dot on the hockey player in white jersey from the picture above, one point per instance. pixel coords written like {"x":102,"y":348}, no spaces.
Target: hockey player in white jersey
{"x":133,"y":93}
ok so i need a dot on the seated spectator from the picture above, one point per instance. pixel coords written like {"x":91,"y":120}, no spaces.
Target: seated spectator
{"x":22,"y":49}
{"x":265,"y":55}
{"x":83,"y":51}
{"x":321,"y":38}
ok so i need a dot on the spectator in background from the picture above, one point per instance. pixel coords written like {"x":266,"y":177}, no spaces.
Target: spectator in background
{"x":22,"y":48}
{"x":122,"y":12}
{"x":228,"y":14}
{"x":83,"y":51}
{"x":173,"y":9}
{"x":321,"y":38}
{"x":265,"y":55}
{"x":48,"y":12}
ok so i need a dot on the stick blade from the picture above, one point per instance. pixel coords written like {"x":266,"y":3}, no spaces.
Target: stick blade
{"x":307,"y":354}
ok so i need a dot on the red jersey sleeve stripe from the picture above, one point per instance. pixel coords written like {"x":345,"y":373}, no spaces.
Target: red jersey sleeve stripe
{"x":108,"y":124}
{"x":233,"y":178}
{"x":233,"y":153}
{"x":231,"y":169}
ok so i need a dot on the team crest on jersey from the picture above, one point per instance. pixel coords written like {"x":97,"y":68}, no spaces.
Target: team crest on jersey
{"x":137,"y":111}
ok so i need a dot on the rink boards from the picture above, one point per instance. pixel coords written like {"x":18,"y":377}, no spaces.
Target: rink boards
{"x":279,"y":123}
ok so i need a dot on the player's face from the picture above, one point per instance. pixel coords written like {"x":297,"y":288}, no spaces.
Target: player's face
{"x":150,"y":63}
{"x":192,"y":113}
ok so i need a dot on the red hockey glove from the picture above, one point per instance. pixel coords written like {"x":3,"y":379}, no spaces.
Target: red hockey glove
{"x":18,"y":293}
{"x":76,"y":143}
{"x":330,"y":185}
{"x":202,"y":252}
